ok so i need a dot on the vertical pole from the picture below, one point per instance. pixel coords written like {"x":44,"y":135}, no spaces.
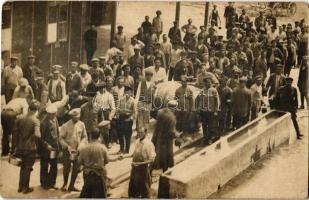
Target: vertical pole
{"x":82,"y":24}
{"x":32,"y":28}
{"x":70,"y":35}
{"x":177,"y":15}
{"x":114,"y":20}
{"x":206,"y":14}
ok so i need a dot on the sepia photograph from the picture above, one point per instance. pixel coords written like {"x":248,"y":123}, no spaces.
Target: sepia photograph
{"x":154,"y":99}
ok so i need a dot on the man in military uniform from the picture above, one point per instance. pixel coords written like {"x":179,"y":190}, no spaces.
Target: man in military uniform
{"x":49,"y":143}
{"x":30,"y":71}
{"x":287,"y":101}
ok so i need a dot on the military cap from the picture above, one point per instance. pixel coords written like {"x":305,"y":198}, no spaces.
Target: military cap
{"x":102,"y":57}
{"x":101,"y":84}
{"x":148,"y":71}
{"x":94,"y":60}
{"x":120,"y":26}
{"x":172,"y":103}
{"x":84,"y":67}
{"x":289,"y":78}
{"x":14,"y":58}
{"x":75,"y":112}
{"x":51,"y":108}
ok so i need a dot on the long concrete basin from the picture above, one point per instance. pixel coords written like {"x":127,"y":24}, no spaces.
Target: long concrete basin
{"x":207,"y":170}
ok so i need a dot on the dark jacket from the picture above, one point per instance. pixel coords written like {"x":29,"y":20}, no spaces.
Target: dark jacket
{"x":271,"y":83}
{"x":287,"y":99}
{"x":49,"y":135}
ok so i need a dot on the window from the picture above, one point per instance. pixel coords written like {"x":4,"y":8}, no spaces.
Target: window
{"x":6,"y":16}
{"x":57,"y":22}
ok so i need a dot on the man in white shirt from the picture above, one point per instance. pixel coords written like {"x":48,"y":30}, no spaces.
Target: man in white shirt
{"x":110,"y":53}
{"x":56,"y":87}
{"x":11,"y":76}
{"x":15,"y":108}
{"x":86,"y":77}
{"x":166,"y":47}
{"x":272,"y":35}
{"x":159,"y":74}
{"x":257,"y":97}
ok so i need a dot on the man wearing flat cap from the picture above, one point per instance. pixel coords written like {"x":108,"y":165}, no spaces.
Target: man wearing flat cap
{"x":108,"y":71}
{"x":144,"y":99}
{"x":157,"y":24}
{"x":136,"y":60}
{"x":56,"y":86}
{"x":287,"y":100}
{"x":120,"y":38}
{"x":11,"y":75}
{"x":30,"y":71}
{"x":73,"y":136}
{"x":23,"y":90}
{"x":275,"y":81}
{"x":95,"y":69}
{"x":49,"y":144}
{"x":73,"y":79}
{"x":104,"y":105}
{"x":86,"y":77}
{"x":125,"y":115}
{"x":241,"y":103}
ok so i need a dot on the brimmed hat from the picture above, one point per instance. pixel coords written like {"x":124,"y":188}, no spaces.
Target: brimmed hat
{"x":94,"y":60}
{"x":14,"y":58}
{"x":148,"y":71}
{"x":101,"y":84}
{"x":75,"y":112}
{"x":289,"y":78}
{"x":172,"y":103}
{"x":258,"y":78}
{"x":127,"y":88}
{"x":84,"y":67}
{"x":51,"y":108}
{"x":102,"y":57}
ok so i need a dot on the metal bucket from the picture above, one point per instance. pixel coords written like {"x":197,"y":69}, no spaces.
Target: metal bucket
{"x":15,"y":161}
{"x":52,"y":154}
{"x":73,"y":155}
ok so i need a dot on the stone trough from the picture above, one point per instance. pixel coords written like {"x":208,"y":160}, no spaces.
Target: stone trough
{"x":206,"y":171}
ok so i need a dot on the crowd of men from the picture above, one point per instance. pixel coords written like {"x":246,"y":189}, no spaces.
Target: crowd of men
{"x":96,"y":104}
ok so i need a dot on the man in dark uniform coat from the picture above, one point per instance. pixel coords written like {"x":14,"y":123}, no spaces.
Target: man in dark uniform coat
{"x":30,"y":71}
{"x":25,"y":135}
{"x":90,"y":38}
{"x":287,"y":101}
{"x":49,"y":142}
{"x":303,"y":82}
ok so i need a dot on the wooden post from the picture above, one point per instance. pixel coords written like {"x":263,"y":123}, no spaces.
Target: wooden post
{"x":177,"y":15}
{"x":114,"y":21}
{"x":206,"y":14}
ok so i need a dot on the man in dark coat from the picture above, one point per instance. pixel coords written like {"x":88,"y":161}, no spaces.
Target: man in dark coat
{"x":90,"y":38}
{"x":275,"y":81}
{"x":49,"y":145}
{"x":30,"y":71}
{"x":73,"y":80}
{"x":25,"y":135}
{"x":287,"y":101}
{"x":303,"y":81}
{"x":174,"y":34}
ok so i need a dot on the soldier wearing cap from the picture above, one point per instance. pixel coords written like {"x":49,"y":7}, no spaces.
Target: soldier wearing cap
{"x":257,"y":96}
{"x":120,"y":38}
{"x":95,"y":69}
{"x":144,"y":99}
{"x":241,"y":103}
{"x":136,"y":60}
{"x":287,"y":100}
{"x":125,"y":115}
{"x":157,"y":24}
{"x":24,"y":144}
{"x":275,"y":81}
{"x":23,"y":90}
{"x":303,"y":81}
{"x":49,"y":144}
{"x":73,"y":79}
{"x":86,"y":77}
{"x":30,"y":71}
{"x":56,"y":87}
{"x":73,"y":136}
{"x":208,"y":103}
{"x":93,"y":157}
{"x":11,"y":75}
